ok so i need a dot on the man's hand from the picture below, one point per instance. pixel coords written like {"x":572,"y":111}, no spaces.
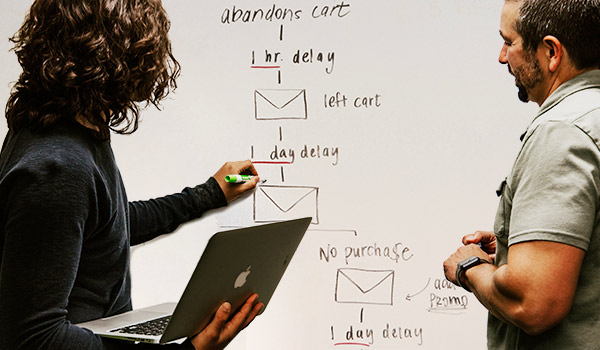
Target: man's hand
{"x":221,"y":330}
{"x":462,"y":253}
{"x":534,"y":290}
{"x":485,"y":239}
{"x":231,"y":190}
{"x":479,"y":243}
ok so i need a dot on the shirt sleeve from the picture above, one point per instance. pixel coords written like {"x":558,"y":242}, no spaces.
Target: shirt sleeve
{"x":154,"y":217}
{"x":556,"y":186}
{"x":44,"y":217}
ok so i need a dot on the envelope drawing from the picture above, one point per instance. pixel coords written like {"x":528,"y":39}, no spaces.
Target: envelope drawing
{"x":278,"y":104}
{"x":360,"y":286}
{"x":278,"y":203}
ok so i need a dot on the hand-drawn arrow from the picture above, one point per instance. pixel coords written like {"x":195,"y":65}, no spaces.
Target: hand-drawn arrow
{"x":409,"y":297}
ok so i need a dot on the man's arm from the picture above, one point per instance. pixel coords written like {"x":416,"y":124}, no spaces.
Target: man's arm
{"x":547,"y":217}
{"x":533,"y":291}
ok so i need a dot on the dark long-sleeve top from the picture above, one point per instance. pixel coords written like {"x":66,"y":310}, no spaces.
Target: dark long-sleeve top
{"x":66,"y":228}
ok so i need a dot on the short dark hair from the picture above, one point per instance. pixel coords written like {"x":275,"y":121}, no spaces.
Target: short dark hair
{"x":91,"y":59}
{"x":575,"y":23}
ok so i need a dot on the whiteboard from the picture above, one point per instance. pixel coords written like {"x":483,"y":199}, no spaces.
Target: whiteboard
{"x":391,"y":123}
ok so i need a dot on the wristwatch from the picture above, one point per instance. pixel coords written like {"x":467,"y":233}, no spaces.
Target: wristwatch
{"x":466,"y":264}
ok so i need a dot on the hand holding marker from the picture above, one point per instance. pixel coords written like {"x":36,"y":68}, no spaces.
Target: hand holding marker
{"x":240,"y":178}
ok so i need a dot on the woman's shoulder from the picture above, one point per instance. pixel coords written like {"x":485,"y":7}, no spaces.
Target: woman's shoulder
{"x":63,"y":150}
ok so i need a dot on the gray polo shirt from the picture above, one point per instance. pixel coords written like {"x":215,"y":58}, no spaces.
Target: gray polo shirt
{"x":552,"y":194}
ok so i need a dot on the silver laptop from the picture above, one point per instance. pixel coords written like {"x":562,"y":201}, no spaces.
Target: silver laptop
{"x":235,"y":264}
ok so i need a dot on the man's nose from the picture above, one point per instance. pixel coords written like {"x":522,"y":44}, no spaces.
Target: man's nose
{"x":503,"y":57}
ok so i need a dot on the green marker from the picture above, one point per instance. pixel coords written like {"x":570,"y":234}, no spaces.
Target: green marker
{"x":238,"y":178}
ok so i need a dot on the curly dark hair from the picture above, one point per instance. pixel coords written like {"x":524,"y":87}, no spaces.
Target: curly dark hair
{"x":94,"y":60}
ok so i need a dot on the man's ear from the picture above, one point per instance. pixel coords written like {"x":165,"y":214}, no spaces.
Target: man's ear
{"x":554,"y":52}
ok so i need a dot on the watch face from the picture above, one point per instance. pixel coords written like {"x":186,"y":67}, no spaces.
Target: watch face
{"x":470,"y":262}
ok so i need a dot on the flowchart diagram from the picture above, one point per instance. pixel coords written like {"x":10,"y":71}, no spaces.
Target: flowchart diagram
{"x":353,"y":282}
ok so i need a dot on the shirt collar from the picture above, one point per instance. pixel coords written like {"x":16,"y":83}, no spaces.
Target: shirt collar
{"x":586,"y":80}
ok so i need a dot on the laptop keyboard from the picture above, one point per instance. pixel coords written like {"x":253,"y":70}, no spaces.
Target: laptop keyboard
{"x":152,"y":327}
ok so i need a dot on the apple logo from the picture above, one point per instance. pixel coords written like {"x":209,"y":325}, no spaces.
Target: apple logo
{"x":241,"y":278}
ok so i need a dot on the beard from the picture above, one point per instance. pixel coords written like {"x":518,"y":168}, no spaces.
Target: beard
{"x":522,"y":93}
{"x":527,"y":76}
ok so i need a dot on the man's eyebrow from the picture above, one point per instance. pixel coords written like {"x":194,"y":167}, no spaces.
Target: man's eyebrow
{"x":503,"y":36}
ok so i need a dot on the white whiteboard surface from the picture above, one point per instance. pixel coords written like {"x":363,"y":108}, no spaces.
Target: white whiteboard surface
{"x":395,"y":181}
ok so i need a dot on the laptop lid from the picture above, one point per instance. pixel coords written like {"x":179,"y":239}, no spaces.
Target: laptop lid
{"x":235,"y":264}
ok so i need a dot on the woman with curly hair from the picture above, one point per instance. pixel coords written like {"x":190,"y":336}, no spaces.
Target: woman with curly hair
{"x":66,"y":225}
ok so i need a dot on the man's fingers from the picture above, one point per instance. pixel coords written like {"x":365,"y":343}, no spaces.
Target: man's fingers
{"x":482,"y":237}
{"x":468,"y":239}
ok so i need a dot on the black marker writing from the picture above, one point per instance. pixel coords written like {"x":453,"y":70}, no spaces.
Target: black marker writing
{"x":236,"y":14}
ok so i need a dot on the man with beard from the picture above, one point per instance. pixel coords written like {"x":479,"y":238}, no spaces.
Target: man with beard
{"x":537,"y":271}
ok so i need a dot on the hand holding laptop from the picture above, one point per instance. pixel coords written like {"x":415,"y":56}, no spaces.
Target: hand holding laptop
{"x":236,"y":265}
{"x":223,"y":328}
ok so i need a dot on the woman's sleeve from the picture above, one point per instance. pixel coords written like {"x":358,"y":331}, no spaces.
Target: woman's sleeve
{"x":154,"y":217}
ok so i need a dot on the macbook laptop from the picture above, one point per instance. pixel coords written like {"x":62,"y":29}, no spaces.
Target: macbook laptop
{"x":235,"y":264}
